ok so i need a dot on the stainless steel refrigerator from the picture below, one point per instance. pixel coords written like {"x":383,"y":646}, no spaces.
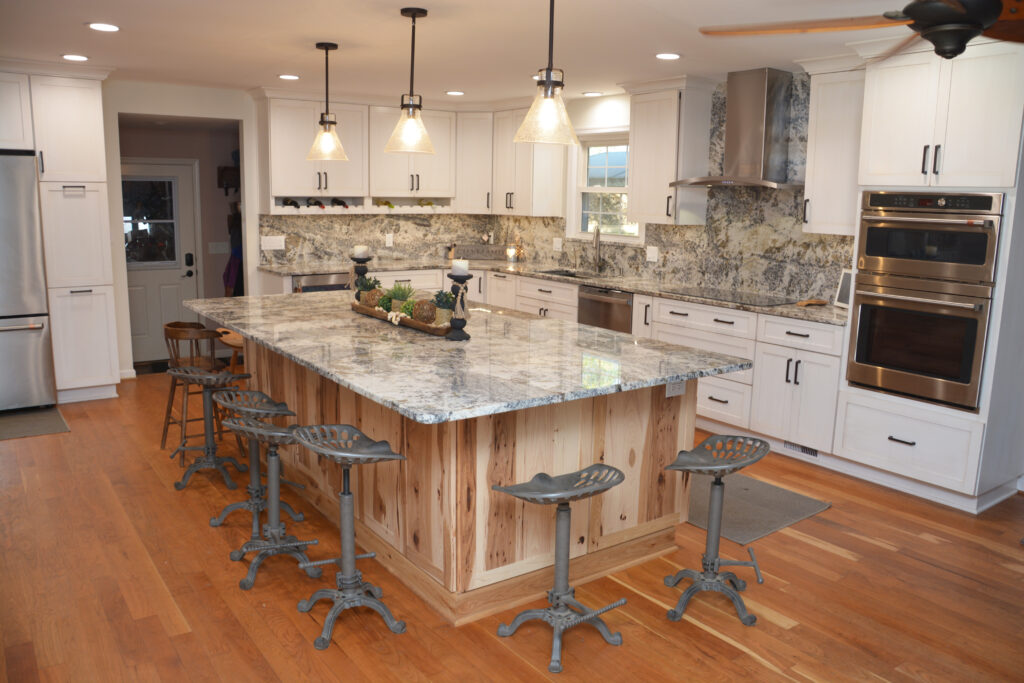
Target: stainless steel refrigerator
{"x":26,"y":352}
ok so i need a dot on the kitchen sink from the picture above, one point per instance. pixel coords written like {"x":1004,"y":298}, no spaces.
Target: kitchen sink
{"x":564,"y":272}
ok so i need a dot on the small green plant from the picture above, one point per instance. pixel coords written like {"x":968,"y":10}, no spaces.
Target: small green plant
{"x":384,"y":302}
{"x":444,"y":299}
{"x":400,"y":292}
{"x":408,"y":306}
{"x":366,"y":284}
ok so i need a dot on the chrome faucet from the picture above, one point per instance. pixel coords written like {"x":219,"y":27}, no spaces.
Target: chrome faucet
{"x":597,"y":249}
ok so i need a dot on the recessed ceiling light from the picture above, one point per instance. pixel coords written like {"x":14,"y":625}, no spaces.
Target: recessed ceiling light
{"x":591,"y":93}
{"x":454,"y":93}
{"x":76,"y":58}
{"x":288,"y":77}
{"x":107,"y":28}
{"x":667,"y":56}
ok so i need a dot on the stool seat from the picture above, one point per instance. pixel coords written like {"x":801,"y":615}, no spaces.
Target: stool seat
{"x":718,"y":456}
{"x":544,"y":489}
{"x":205,"y":378}
{"x":344,"y":444}
{"x":251,"y":403}
{"x":248,"y":428}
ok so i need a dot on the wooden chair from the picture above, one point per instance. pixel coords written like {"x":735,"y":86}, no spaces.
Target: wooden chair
{"x":188,"y":345}
{"x":233,"y":341}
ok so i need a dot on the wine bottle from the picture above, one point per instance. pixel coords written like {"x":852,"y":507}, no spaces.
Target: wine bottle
{"x":288,"y":201}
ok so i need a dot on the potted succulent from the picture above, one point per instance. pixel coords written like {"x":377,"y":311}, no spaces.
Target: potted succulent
{"x":365,"y":286}
{"x":444,"y":302}
{"x":384,"y":302}
{"x":399,"y":294}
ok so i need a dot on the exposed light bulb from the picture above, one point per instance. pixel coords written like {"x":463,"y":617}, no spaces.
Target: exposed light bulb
{"x":327,"y":145}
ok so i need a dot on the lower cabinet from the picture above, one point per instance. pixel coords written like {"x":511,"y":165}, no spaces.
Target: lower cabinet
{"x":723,"y":400}
{"x":84,"y":338}
{"x":425,"y":280}
{"x":501,"y":290}
{"x":643,"y":316}
{"x":477,"y":286}
{"x":794,"y":395}
{"x":546,"y":309}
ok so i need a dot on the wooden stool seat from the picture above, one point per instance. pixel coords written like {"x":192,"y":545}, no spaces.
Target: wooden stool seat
{"x":233,"y":341}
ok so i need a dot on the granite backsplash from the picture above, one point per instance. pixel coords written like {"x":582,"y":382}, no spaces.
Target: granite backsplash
{"x":752,"y":240}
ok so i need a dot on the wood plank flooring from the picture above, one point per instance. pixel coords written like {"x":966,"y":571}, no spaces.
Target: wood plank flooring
{"x":107,"y":573}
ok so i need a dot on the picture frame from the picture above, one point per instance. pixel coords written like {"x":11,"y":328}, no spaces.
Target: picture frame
{"x":844,"y":290}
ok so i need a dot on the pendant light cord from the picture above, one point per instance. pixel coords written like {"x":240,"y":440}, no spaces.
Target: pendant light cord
{"x":412,"y":57}
{"x":551,"y":39}
{"x":327,"y":98}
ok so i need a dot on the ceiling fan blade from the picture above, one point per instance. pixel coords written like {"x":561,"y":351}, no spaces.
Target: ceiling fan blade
{"x":1010,"y":25}
{"x":811,"y":26}
{"x":898,"y":47}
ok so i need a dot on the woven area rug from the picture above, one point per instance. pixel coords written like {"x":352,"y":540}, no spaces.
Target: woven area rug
{"x":752,"y":509}
{"x":15,"y":424}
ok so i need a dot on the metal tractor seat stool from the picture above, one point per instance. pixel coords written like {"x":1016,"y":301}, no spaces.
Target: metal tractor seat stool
{"x":275,"y":539}
{"x":210,"y":382}
{"x":717,"y":456}
{"x":255,"y":405}
{"x":346,"y":446}
{"x":565,"y":611}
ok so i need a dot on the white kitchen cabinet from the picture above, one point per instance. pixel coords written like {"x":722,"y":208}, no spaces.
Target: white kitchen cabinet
{"x":84,"y":341}
{"x":15,"y":112}
{"x":547,"y":309}
{"x":643,"y":316}
{"x":831,"y":195}
{"x":427,"y":281}
{"x":794,"y":395}
{"x":547,"y":299}
{"x":685,"y":335}
{"x":477,"y":286}
{"x":801,"y":334}
{"x":529,"y":179}
{"x":293,"y":124}
{"x":68,"y":120}
{"x":938,"y":122}
{"x":412,"y":175}
{"x":501,"y":289}
{"x":725,"y":401}
{"x":716,"y":319}
{"x":76,"y":226}
{"x":473,"y":166}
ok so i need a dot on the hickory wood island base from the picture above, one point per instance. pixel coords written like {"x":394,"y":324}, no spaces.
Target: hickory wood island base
{"x":433,"y":519}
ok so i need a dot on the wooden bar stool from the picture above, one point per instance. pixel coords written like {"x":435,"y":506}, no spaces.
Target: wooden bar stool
{"x":181,"y":351}
{"x":233,"y":341}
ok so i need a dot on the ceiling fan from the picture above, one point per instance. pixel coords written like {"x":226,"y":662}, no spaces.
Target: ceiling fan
{"x":947,"y":24}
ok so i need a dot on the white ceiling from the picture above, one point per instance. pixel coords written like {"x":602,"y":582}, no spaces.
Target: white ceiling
{"x":488,"y":49}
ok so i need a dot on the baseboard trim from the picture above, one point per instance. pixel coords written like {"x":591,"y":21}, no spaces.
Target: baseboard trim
{"x":128,"y":374}
{"x":87,"y":393}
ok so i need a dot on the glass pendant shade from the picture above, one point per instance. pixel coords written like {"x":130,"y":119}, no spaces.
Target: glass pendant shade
{"x":547,"y":121}
{"x":327,"y":145}
{"x":410,"y":135}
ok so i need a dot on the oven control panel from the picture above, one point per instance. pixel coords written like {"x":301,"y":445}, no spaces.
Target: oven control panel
{"x":974,"y":202}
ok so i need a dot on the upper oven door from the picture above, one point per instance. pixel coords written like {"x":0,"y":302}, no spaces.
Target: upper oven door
{"x":948,"y":247}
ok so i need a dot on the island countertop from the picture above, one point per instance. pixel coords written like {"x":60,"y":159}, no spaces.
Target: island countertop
{"x":513,"y":360}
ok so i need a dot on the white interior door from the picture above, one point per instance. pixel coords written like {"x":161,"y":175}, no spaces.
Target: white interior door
{"x":160,"y":205}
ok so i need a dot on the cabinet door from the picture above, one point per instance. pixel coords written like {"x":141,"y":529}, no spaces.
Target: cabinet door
{"x":772,"y":402}
{"x":435,"y":173}
{"x":522,"y":189}
{"x":653,"y":131}
{"x":15,"y":112}
{"x":501,"y":290}
{"x":900,"y":96}
{"x":68,"y":117}
{"x":293,"y":125}
{"x":833,"y":143}
{"x":348,"y":178}
{"x":477,"y":286}
{"x":505,"y":125}
{"x":643,"y":316}
{"x":391,"y":175}
{"x":979,"y":132}
{"x":474,"y":162}
{"x":544,"y":193}
{"x":76,"y":239}
{"x":84,"y":347}
{"x":816,"y":377}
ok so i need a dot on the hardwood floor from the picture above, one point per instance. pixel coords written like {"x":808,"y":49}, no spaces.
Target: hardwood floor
{"x":107,"y":573}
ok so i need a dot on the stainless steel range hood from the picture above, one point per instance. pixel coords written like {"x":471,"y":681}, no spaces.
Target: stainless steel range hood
{"x":756,"y":121}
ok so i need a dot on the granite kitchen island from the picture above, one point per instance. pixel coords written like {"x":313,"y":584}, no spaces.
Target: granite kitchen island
{"x":524,"y":395}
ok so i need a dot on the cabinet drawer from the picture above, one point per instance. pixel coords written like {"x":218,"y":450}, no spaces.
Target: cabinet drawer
{"x":501,"y":290}
{"x":801,"y":334}
{"x":546,"y":309}
{"x":725,"y":401}
{"x":710,"y":341}
{"x":932,"y":447}
{"x":429,"y":280}
{"x":546,"y":290}
{"x":712,"y":318}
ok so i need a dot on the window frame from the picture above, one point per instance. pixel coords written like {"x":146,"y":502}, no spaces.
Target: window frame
{"x":576,"y":178}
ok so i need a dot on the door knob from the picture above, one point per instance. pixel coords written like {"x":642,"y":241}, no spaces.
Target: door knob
{"x":188,"y":273}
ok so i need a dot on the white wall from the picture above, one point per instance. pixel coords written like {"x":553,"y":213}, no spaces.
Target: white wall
{"x":133,"y":97}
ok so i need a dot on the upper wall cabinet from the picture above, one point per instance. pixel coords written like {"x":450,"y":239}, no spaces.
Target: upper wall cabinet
{"x":15,"y":112}
{"x":293,"y":125}
{"x":833,"y":142}
{"x":529,"y":179}
{"x":68,"y":116}
{"x":952,"y":123}
{"x":473,"y":168}
{"x":412,"y":175}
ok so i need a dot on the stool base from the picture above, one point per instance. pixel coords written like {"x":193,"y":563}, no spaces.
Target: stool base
{"x":210,"y":462}
{"x":726,"y":583}
{"x":352,"y":592}
{"x":288,"y":545}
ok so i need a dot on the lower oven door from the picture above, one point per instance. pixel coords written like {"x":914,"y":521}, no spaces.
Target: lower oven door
{"x":923,"y":344}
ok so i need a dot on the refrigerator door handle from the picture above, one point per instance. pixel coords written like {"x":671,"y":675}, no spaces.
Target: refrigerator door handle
{"x":42,"y":165}
{"x":18,"y":328}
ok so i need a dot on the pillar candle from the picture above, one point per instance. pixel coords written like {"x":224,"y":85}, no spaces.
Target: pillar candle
{"x":460,"y":266}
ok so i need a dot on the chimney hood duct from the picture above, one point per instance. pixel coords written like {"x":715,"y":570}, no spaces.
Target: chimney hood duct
{"x":756,"y":121}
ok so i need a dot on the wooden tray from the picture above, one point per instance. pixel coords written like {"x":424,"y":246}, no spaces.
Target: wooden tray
{"x":406,"y":321}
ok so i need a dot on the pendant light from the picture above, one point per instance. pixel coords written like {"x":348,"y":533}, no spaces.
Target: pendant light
{"x":410,"y":135}
{"x":547,"y":120}
{"x":326,"y":145}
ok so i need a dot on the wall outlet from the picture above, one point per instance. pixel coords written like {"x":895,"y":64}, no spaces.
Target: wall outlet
{"x":652,"y":254}
{"x":272,"y":242}
{"x":556,"y":243}
{"x":219,"y":247}
{"x":675,"y":389}
{"x":389,"y":239}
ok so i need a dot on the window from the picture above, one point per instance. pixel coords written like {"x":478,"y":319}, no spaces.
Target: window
{"x":150,"y":223}
{"x":602,"y":190}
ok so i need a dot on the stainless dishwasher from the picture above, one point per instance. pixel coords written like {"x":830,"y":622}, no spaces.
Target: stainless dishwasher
{"x":608,"y":308}
{"x":324,"y":282}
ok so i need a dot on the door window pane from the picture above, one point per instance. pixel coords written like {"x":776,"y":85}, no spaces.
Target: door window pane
{"x":149,"y":215}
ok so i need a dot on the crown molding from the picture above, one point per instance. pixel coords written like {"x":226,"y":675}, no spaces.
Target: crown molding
{"x":679,"y":83}
{"x":36,"y":68}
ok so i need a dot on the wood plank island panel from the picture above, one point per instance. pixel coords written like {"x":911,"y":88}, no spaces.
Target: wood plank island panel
{"x":434,"y":520}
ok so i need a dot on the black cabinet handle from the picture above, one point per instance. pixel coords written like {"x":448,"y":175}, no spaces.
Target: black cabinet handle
{"x":546,"y":291}
{"x":668,"y":205}
{"x":647,"y":312}
{"x":480,"y":286}
{"x":511,"y":200}
{"x":682,"y":315}
{"x":724,"y":322}
{"x":81,"y":291}
{"x":789,"y":363}
{"x":905,"y":443}
{"x":42,"y":164}
{"x":716,"y":400}
{"x":797,"y":334}
{"x":806,"y":202}
{"x":72,"y":187}
{"x":935,"y":160}
{"x":796,"y":373}
{"x":319,"y":181}
{"x":412,"y":185}
{"x":408,"y":282}
{"x":417,"y":182}
{"x":500,"y":277}
{"x":488,"y":200}
{"x":325,"y":180}
{"x":924,"y":159}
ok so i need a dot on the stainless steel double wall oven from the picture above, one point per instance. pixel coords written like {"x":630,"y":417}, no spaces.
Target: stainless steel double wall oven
{"x":926,"y":268}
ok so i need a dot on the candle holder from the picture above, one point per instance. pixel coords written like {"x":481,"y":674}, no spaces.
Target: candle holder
{"x":359,"y":270}
{"x":458,"y":323}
